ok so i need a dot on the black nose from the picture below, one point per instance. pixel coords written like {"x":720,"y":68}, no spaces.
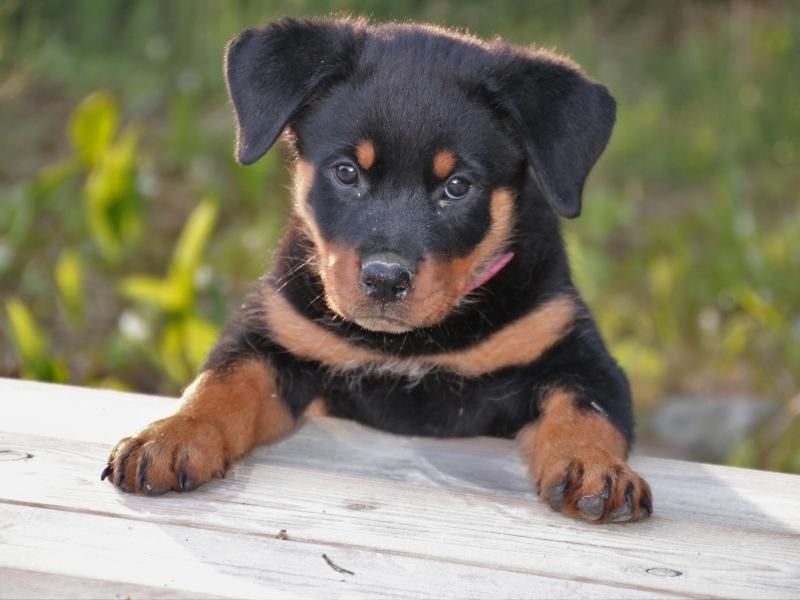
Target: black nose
{"x":385,"y":281}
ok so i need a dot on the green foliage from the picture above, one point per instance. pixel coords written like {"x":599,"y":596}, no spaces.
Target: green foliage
{"x":69,"y":280}
{"x":687,"y":249}
{"x":186,"y":337}
{"x":112,"y":207}
{"x":32,"y":345}
{"x":104,"y":170}
{"x":92,"y":127}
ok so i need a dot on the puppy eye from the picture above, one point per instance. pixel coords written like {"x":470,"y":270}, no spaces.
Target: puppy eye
{"x":457,"y":187}
{"x":346,"y":174}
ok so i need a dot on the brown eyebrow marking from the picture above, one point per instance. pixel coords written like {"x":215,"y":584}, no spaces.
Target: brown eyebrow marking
{"x":444,"y":162}
{"x":365,"y":154}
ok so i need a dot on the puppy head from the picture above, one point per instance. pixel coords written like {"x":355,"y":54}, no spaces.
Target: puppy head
{"x":412,"y":147}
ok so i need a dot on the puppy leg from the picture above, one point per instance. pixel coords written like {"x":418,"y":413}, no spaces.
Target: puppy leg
{"x":225,"y":413}
{"x":576,"y":458}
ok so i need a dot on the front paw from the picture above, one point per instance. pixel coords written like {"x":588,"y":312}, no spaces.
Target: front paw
{"x":177,"y":453}
{"x":591,"y":484}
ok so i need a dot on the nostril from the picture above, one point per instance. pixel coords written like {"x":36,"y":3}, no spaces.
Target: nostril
{"x":399,"y":292}
{"x":385,"y":282}
{"x":401,"y":284}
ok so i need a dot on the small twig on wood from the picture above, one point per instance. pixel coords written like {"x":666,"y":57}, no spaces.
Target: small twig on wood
{"x":336,"y":567}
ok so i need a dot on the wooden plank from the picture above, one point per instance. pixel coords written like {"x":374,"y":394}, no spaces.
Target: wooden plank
{"x":721,"y":496}
{"x":24,"y":584}
{"x":429,"y":522}
{"x":194,"y":561}
{"x":70,"y":412}
{"x":729,"y":532}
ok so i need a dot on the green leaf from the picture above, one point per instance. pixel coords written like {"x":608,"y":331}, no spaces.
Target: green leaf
{"x":112,"y":207}
{"x":171,"y":353}
{"x":744,"y":454}
{"x":162,"y":293}
{"x":69,"y":280}
{"x":193,"y":238}
{"x":175,"y":293}
{"x":198,"y":337}
{"x":31,"y":345}
{"x":29,"y":341}
{"x":92,"y":126}
{"x":53,"y":176}
{"x":110,"y":383}
{"x":759,"y":308}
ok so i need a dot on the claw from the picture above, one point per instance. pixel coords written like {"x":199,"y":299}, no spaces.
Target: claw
{"x":106,"y":472}
{"x":592,"y":506}
{"x":646,"y":503}
{"x":120,"y":475}
{"x":141,"y":476}
{"x":620,"y":514}
{"x":121,"y":460}
{"x":186,"y":484}
{"x":624,"y":512}
{"x":607,"y":483}
{"x":555,"y":494}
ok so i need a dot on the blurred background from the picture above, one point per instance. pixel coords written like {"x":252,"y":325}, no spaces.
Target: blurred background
{"x":128,"y":233}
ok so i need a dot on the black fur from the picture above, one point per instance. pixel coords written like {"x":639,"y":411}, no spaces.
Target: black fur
{"x":519,"y":119}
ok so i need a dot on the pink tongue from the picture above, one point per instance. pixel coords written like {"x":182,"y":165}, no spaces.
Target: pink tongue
{"x":493,"y":270}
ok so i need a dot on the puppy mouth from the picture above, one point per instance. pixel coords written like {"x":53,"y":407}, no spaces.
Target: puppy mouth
{"x":382,"y":323}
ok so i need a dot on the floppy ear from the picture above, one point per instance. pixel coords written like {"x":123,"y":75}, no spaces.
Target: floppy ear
{"x":271,"y":71}
{"x":565,"y":120}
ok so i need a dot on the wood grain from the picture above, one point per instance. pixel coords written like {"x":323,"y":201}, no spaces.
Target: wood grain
{"x":409,"y":516}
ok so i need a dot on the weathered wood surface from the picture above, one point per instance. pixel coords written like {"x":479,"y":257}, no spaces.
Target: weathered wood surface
{"x":409,"y":517}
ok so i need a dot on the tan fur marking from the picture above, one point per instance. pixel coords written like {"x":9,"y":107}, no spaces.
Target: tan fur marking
{"x":339,"y":270}
{"x":365,"y":154}
{"x":338,"y":265}
{"x":305,"y":339}
{"x":562,"y":428}
{"x":440,"y":284}
{"x":316,"y":408}
{"x":519,"y":343}
{"x":586,"y":450}
{"x":224,"y":414}
{"x":496,"y":240}
{"x":303,"y":180}
{"x":444,"y":162}
{"x":243,"y":402}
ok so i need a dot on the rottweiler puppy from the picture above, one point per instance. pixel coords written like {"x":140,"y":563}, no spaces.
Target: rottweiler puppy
{"x":422,"y":286}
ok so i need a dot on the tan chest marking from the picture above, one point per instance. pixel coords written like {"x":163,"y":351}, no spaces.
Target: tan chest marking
{"x":519,"y":343}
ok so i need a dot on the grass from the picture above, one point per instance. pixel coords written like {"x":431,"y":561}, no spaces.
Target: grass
{"x":117,"y":166}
